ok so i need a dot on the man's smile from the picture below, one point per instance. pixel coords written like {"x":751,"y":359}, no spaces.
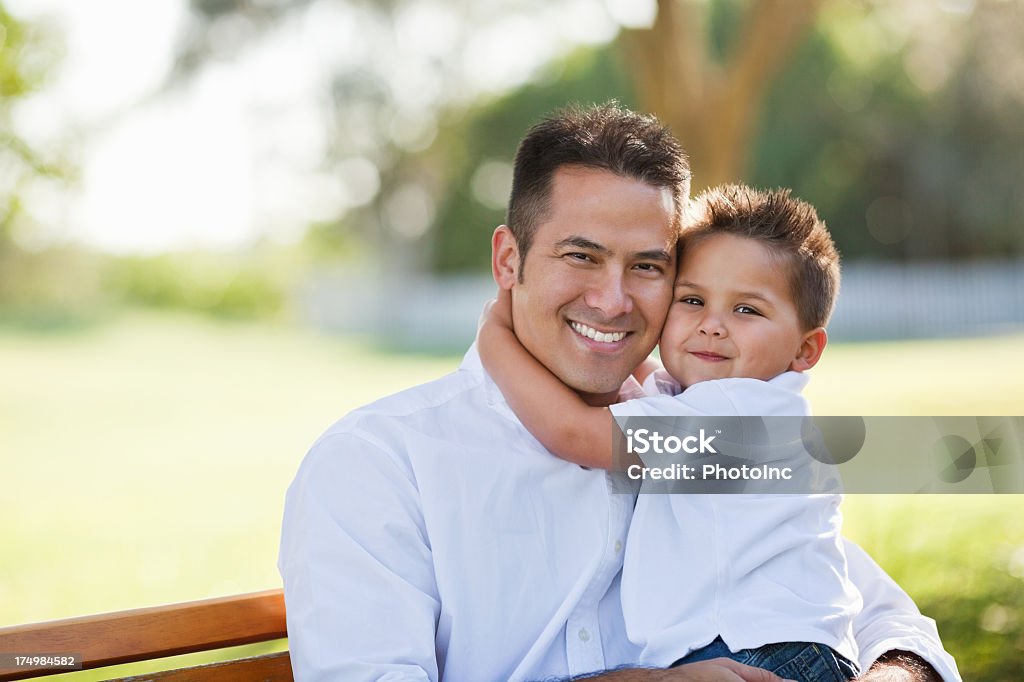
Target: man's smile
{"x":593,"y":334}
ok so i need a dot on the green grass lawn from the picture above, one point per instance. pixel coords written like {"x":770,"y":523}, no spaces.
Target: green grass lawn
{"x":145,"y":460}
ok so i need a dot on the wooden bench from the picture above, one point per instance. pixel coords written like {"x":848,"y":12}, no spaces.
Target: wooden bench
{"x":152,"y":633}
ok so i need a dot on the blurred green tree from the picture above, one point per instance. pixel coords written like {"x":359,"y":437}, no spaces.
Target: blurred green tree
{"x":706,"y":68}
{"x":26,"y":58}
{"x":705,"y":84}
{"x":899,"y":121}
{"x":29,"y":279}
{"x":904,"y":125}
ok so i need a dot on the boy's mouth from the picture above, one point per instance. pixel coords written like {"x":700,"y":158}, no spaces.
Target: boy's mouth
{"x":708,"y":356}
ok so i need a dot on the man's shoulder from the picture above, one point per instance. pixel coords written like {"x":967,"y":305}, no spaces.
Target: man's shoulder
{"x":424,"y":409}
{"x":418,"y":427}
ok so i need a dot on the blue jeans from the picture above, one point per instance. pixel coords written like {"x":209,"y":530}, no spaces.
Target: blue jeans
{"x":801,"y":661}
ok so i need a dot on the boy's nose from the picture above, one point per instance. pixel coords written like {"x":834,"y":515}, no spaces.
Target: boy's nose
{"x":712,"y":326}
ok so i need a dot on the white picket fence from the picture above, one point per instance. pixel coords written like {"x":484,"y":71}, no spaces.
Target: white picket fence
{"x":878,"y":301}
{"x":922,"y":300}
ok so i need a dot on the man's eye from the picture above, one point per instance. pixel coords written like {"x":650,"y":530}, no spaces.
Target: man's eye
{"x":649,"y":267}
{"x":748,"y":310}
{"x":582,"y":257}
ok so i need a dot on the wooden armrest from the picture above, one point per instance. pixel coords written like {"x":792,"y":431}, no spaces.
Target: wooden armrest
{"x":143,"y":634}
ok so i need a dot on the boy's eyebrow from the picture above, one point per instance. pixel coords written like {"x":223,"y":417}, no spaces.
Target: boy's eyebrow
{"x":754,"y":294}
{"x":579,"y":242}
{"x":739,"y":294}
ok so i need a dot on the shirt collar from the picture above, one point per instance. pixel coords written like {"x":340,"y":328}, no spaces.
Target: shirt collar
{"x":793,"y":381}
{"x":471,"y":363}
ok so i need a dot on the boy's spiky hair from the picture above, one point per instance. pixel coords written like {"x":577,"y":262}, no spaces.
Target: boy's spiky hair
{"x":789,"y":227}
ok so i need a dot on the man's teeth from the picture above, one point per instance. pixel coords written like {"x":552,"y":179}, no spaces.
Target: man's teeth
{"x":600,"y":337}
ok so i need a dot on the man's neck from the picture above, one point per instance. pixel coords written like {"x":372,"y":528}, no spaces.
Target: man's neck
{"x":600,"y":399}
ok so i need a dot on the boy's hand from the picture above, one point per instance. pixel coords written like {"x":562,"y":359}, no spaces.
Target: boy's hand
{"x":498,"y":311}
{"x":484,"y":313}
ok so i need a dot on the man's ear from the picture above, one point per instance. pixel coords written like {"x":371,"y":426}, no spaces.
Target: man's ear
{"x":504,"y":257}
{"x":811,"y":348}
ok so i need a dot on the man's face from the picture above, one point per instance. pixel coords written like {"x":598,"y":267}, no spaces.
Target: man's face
{"x":597,"y":280}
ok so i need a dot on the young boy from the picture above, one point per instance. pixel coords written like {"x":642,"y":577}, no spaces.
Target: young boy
{"x":758,"y":578}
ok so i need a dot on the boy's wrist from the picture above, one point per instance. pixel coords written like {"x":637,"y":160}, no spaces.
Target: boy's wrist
{"x":497,"y":312}
{"x":494,"y":329}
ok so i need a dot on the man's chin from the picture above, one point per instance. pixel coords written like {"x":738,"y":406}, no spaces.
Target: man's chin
{"x":596,"y":387}
{"x":590,"y":374}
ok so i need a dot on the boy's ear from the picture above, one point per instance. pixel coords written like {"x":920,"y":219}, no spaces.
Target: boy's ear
{"x":504,"y":257}
{"x":811,"y":348}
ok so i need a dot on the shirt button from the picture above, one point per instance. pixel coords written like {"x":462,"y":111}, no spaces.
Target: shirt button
{"x":584,"y":635}
{"x":618,"y":546}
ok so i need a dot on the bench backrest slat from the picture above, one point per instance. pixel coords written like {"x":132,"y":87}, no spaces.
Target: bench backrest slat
{"x":269,"y":668}
{"x":143,"y":634}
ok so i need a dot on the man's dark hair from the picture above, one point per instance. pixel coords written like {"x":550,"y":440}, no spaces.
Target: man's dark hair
{"x":604,"y":137}
{"x":790,"y":228}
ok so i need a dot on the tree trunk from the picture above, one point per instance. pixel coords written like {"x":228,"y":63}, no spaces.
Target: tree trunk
{"x":713,"y":106}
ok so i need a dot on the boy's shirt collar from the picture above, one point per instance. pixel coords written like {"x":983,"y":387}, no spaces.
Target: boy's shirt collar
{"x":660,"y":382}
{"x":793,"y":381}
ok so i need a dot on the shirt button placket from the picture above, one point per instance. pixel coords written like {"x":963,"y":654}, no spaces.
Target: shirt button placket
{"x":583,"y":641}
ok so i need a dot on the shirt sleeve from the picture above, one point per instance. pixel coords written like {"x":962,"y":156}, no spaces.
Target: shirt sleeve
{"x":890,"y":620}
{"x":660,"y":382}
{"x":708,"y":398}
{"x":359,"y":585}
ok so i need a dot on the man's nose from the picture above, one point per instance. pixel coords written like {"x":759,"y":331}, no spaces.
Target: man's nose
{"x":610,"y":295}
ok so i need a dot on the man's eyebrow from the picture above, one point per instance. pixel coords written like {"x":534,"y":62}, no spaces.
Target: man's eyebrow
{"x":655,"y":254}
{"x":576,"y":241}
{"x":582,"y":243}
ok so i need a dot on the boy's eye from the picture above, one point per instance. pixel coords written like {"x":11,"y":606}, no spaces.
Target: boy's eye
{"x":748,"y":310}
{"x":691,"y":300}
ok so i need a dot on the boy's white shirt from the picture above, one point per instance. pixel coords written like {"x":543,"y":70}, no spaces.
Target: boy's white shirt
{"x":660,"y":382}
{"x":752,"y":569}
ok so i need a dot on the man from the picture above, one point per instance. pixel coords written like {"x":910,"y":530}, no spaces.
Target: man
{"x":428,"y":536}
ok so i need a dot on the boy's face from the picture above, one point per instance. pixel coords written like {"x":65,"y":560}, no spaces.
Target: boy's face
{"x":732,"y":314}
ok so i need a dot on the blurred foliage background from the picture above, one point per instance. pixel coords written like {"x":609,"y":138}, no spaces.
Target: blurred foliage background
{"x":379,"y":160}
{"x":899,"y":121}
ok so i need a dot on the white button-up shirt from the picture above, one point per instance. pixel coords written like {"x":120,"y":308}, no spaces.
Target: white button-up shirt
{"x":429,"y":536}
{"x":751,"y":569}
